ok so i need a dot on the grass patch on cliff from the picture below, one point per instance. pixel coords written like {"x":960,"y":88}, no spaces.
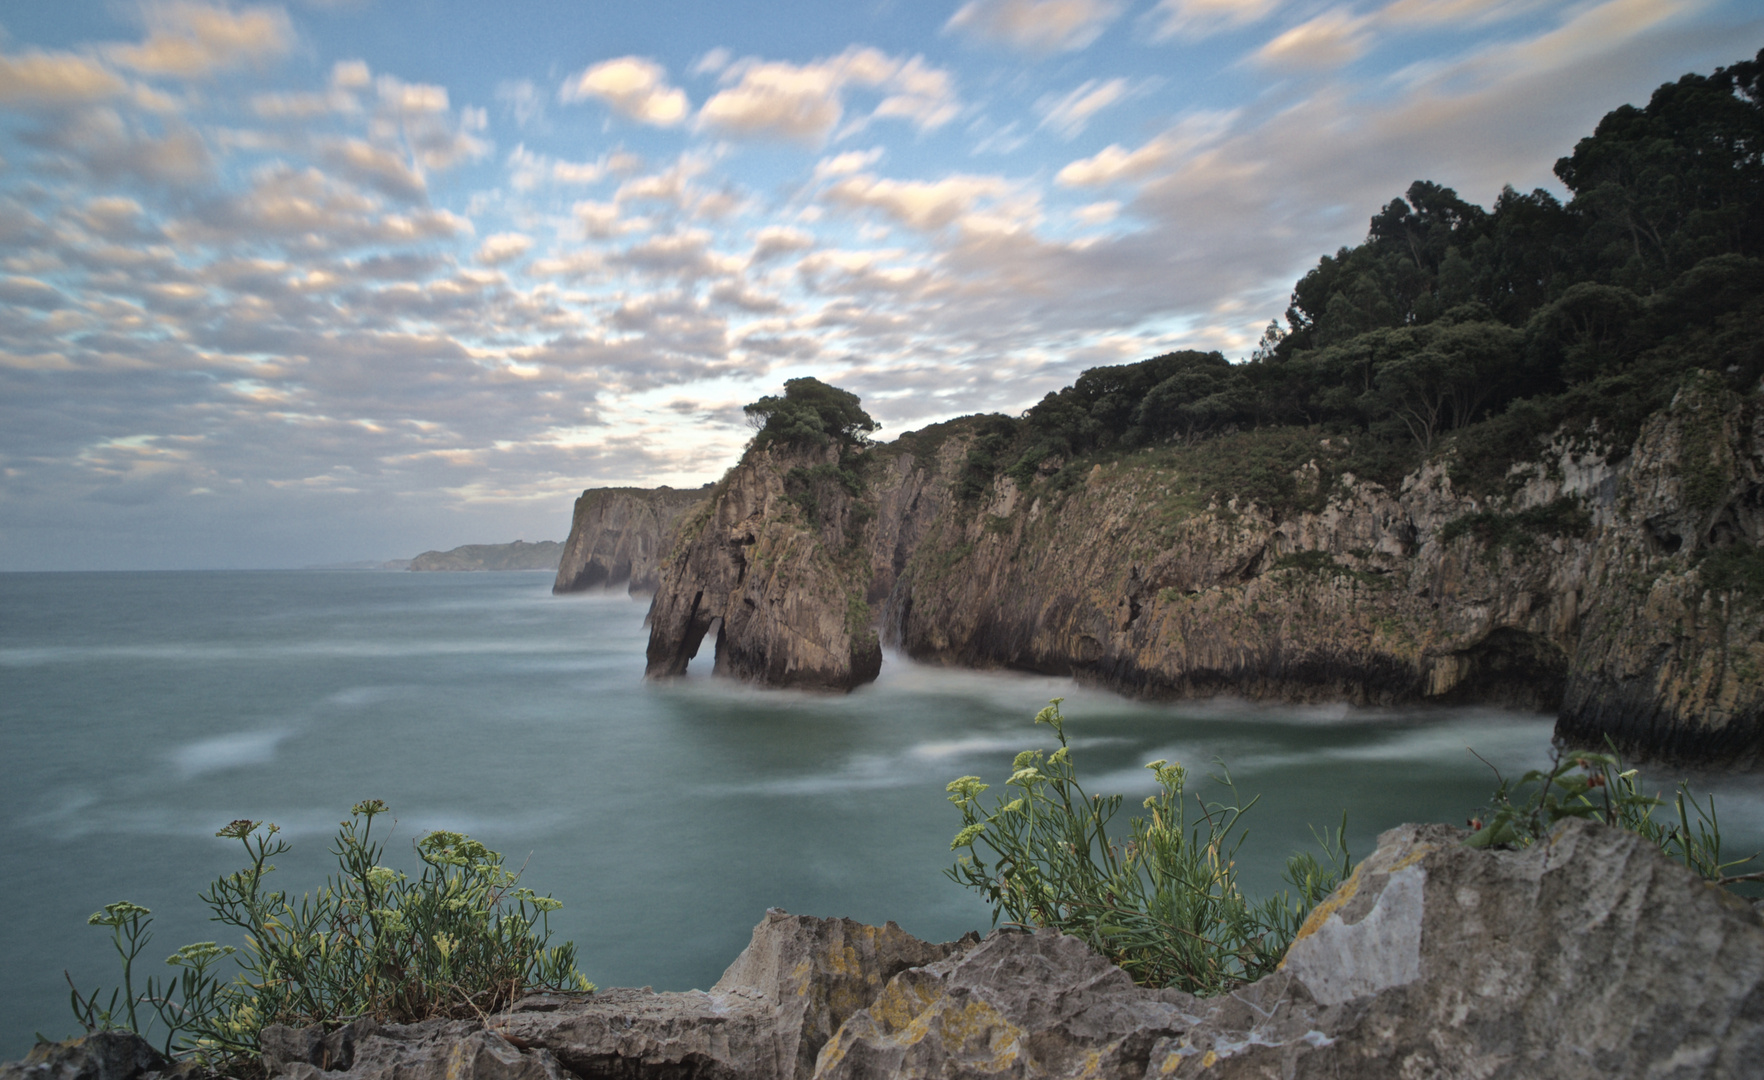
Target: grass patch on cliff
{"x":1737,"y":568}
{"x":1495,"y":529}
{"x":461,"y":939}
{"x":1582,"y":784}
{"x":1163,"y":902}
{"x":1321,"y":564}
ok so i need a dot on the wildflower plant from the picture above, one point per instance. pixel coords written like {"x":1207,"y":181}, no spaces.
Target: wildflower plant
{"x":462,"y":938}
{"x":1165,"y":906}
{"x":1582,"y":784}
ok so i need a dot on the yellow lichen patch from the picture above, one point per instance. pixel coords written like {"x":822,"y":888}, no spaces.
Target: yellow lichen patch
{"x":800,"y":976}
{"x":975,"y":1030}
{"x":1412,"y":857}
{"x":1171,"y":1064}
{"x":831,"y":1052}
{"x":1207,"y":1062}
{"x":1331,"y":904}
{"x":899,"y":1004}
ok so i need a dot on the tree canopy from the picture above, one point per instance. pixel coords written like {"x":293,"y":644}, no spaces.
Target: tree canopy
{"x":810,"y":413}
{"x":1512,"y":319}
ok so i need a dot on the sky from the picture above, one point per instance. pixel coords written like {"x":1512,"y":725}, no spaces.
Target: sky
{"x":350,"y":280}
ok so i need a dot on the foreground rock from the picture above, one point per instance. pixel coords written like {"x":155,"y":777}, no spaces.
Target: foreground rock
{"x":618,"y":536}
{"x":105,"y":1055}
{"x":1588,"y":956}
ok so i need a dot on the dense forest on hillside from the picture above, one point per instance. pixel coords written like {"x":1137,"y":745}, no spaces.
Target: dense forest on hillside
{"x":1458,"y":330}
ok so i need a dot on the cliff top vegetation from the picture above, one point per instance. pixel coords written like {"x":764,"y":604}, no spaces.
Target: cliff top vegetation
{"x":1471,"y":332}
{"x":810,"y":413}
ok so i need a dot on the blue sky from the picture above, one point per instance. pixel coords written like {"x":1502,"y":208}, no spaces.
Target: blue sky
{"x":285,"y":285}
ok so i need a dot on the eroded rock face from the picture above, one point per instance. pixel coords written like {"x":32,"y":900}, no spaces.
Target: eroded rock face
{"x":1600,"y":612}
{"x":1662,"y":662}
{"x":1589,"y":955}
{"x":619,"y":535}
{"x":782,"y":566}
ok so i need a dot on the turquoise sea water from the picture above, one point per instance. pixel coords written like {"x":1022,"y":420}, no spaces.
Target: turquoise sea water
{"x":140,"y":712}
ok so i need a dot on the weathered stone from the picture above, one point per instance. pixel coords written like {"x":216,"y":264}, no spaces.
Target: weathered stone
{"x":1019,"y":1005}
{"x":1131,"y":584}
{"x":769,"y":1015}
{"x":103,"y":1055}
{"x":432,"y":1050}
{"x":1589,"y":955}
{"x":785,"y":561}
{"x":618,"y":536}
{"x":327,"y":1051}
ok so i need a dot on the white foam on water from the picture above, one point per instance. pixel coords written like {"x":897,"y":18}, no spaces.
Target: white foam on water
{"x":227,"y":752}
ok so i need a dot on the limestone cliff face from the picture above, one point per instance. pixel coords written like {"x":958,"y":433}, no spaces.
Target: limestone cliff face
{"x":785,"y":559}
{"x":1585,"y":589}
{"x":618,"y":536}
{"x":1664,"y":660}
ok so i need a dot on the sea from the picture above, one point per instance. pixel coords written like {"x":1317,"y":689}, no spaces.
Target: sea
{"x":141,"y":712}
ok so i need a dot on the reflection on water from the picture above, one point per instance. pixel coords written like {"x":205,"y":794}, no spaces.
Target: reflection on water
{"x":140,"y":712}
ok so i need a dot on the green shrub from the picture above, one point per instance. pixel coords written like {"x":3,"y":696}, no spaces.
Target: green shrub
{"x":1165,"y":906}
{"x":1498,"y":529}
{"x":1581,"y":784}
{"x":460,"y":940}
{"x":1738,"y":567}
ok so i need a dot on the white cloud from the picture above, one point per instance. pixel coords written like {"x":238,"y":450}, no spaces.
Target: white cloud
{"x":54,"y":80}
{"x":1098,"y":213}
{"x":1431,"y":13}
{"x":415,"y":98}
{"x":845,"y":164}
{"x":577,"y":172}
{"x":923,"y":205}
{"x":776,"y":240}
{"x":599,"y":220}
{"x":777,"y":100}
{"x":1037,"y":26}
{"x":190,"y":40}
{"x":522,"y":100}
{"x":803,"y":103}
{"x":375,"y":166}
{"x":1113,"y":164}
{"x":922,"y":94}
{"x":1331,"y":40}
{"x":1069,"y":114}
{"x":499,"y":248}
{"x":712,"y":62}
{"x":350,"y":75}
{"x":1202,"y":18}
{"x":633,"y":87}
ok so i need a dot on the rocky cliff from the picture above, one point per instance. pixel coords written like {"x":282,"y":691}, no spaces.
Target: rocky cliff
{"x":1588,"y":955}
{"x":1618,"y":584}
{"x":617,"y":537}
